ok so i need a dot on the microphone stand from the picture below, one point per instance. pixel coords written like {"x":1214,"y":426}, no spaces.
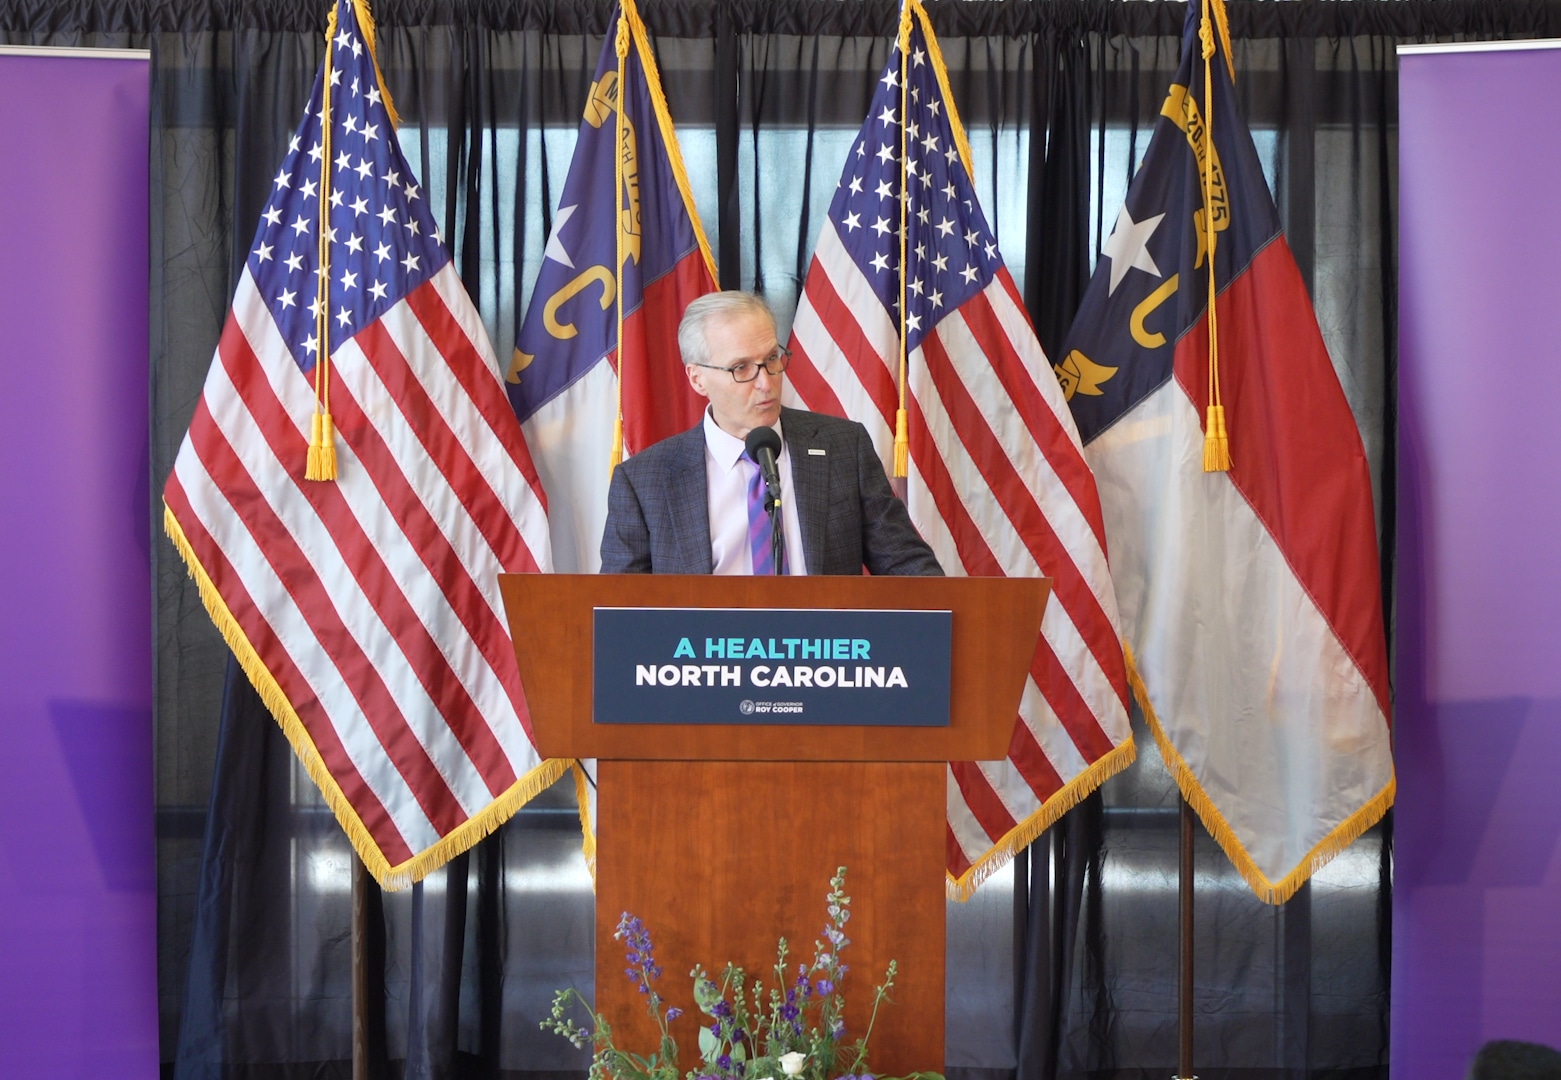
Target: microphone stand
{"x":777,"y":533}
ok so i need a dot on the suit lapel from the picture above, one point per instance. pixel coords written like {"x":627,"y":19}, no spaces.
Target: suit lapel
{"x":810,"y":479}
{"x":687,"y":491}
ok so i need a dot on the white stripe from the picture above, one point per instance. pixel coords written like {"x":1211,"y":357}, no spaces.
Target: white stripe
{"x":968,"y":833}
{"x":275,"y":605}
{"x":353,"y":606}
{"x":570,"y":439}
{"x":1049,"y":733}
{"x":1016,"y":327}
{"x":452,"y":290}
{"x":1247,"y":678}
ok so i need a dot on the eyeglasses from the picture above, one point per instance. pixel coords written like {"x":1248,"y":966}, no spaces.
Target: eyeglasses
{"x":746,"y":371}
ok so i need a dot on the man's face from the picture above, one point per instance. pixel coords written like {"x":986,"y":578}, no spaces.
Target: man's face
{"x":737,"y":407}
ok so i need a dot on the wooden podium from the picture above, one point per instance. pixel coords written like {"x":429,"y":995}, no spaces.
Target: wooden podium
{"x":723,"y":837}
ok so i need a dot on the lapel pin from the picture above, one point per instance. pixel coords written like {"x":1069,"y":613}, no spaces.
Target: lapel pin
{"x":816,"y":451}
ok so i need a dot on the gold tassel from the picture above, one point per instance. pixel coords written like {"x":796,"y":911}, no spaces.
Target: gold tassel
{"x":1216,"y":444}
{"x":902,"y":446}
{"x":322,"y":449}
{"x":615,"y":458}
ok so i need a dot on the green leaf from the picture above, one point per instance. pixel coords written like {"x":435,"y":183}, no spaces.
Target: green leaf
{"x":709,"y":1045}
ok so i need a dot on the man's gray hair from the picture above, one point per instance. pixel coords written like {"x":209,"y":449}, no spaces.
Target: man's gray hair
{"x":692,"y":343}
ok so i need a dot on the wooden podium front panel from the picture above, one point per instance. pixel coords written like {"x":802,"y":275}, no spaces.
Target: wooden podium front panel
{"x":719,"y":859}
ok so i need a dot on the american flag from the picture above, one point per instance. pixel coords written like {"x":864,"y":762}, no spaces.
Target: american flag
{"x":997,"y":482}
{"x":366,"y":609}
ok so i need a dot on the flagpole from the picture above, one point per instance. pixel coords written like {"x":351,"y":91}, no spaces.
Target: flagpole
{"x":1184,"y":952}
{"x":360,"y":970}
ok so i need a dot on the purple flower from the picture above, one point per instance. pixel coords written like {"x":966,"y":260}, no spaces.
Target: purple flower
{"x":826,"y":987}
{"x":724,"y":1061}
{"x":722,"y":1008}
{"x":674,"y":1013}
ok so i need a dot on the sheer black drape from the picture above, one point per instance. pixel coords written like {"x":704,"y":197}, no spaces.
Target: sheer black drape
{"x":1058,"y":97}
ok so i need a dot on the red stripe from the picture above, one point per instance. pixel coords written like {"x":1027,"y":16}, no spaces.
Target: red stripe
{"x":387,"y":838}
{"x":469,"y":368}
{"x":424,"y":656}
{"x":810,"y":385}
{"x":1296,"y":452}
{"x":974,"y":553}
{"x":1030,"y":759}
{"x":953,"y":854}
{"x":1073,"y":712}
{"x":657,"y":398}
{"x":1065,"y":458}
{"x":1048,"y":550}
{"x":841,"y":324}
{"x":487,"y":633}
{"x":445,"y":450}
{"x":985,"y":806}
{"x":317,"y":607}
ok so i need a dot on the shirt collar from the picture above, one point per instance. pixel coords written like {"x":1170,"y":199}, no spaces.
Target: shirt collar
{"x":725,"y":448}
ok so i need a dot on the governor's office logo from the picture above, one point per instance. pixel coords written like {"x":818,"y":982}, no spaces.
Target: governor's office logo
{"x":745,"y":707}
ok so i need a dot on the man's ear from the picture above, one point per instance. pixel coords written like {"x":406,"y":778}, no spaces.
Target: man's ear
{"x":696,"y":378}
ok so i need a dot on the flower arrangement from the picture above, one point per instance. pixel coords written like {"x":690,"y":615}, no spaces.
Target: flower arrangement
{"x":792,"y":1029}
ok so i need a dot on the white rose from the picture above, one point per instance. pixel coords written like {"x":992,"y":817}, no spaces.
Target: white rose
{"x":791,"y":1064}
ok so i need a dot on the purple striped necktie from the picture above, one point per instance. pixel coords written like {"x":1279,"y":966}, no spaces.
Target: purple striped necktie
{"x":761,"y":538}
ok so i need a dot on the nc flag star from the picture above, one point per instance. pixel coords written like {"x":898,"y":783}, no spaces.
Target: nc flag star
{"x":366,"y":608}
{"x":1250,"y":597}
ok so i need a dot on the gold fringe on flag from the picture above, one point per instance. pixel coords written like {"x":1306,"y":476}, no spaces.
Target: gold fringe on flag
{"x":902,"y":440}
{"x":621,"y":47}
{"x":321,"y":461}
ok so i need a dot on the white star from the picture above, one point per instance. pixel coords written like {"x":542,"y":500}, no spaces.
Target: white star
{"x":891,"y":78}
{"x":853,"y":222}
{"x":308,"y":190}
{"x":411,"y":190}
{"x":263,"y":252}
{"x":887,"y":116}
{"x":438,"y":238}
{"x":364,"y":168}
{"x":330,"y":235}
{"x":354,"y":87}
{"x":344,"y":162}
{"x":370,"y":132}
{"x":884,"y":190}
{"x":344,"y":316}
{"x":383,"y":252}
{"x":971,"y":236}
{"x":930,"y":144}
{"x":388,"y":216}
{"x":940,"y":263}
{"x":935,"y":299}
{"x":880,"y":261}
{"x":350,"y":124}
{"x":410,"y":262}
{"x":282,"y":180}
{"x":373,"y":95}
{"x":311,"y":344}
{"x":949,"y":191}
{"x":355,"y":244}
{"x":292,"y":145}
{"x":913,"y":322}
{"x":917,"y":57}
{"x":856,"y":185}
{"x":343,"y":38}
{"x":1128,"y":246}
{"x":923,"y":214}
{"x":910,"y":166}
{"x":273,"y":216}
{"x":336,"y":77}
{"x":301,"y":225}
{"x":915,"y":286}
{"x":950,"y":154}
{"x":933,"y":106}
{"x":287,"y":298}
{"x":886,"y":155}
{"x":881,"y":226}
{"x":393,"y":178}
{"x":412,"y":227}
{"x":969,"y":273}
{"x":861,"y":149}
{"x":916,"y":94}
{"x":315,"y":151}
{"x":377,"y":290}
{"x":360,"y":206}
{"x":294,"y":262}
{"x":913,"y":129}
{"x":555,"y":244}
{"x":349,"y":280}
{"x":946,"y":227}
{"x":990,"y":249}
{"x":921,"y":251}
{"x":357,"y":47}
{"x":336,"y":197}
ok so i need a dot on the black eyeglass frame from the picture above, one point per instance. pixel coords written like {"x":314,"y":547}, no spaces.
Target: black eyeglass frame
{"x":774,"y":364}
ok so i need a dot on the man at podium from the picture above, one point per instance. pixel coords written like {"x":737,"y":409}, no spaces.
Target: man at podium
{"x":702,"y":502}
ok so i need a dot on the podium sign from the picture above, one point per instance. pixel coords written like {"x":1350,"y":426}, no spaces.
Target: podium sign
{"x":813,"y":666}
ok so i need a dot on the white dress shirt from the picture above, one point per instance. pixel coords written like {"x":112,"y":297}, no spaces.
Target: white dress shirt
{"x":726,"y":485}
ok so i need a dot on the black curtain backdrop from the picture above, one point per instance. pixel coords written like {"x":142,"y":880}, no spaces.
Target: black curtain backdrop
{"x":1077,"y":977}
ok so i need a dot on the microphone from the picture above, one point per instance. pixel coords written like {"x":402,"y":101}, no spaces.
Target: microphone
{"x":764,"y":446}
